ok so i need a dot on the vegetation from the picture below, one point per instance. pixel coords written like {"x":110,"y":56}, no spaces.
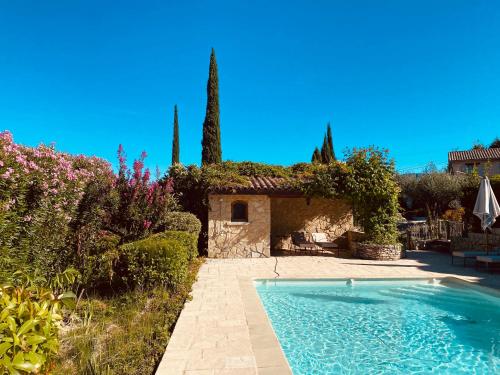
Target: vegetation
{"x":327,"y":154}
{"x":153,"y":261}
{"x":316,"y":157}
{"x":443,"y":195}
{"x":367,"y":180}
{"x":175,"y":140}
{"x":124,"y":333}
{"x":495,"y":143}
{"x":59,"y":211}
{"x":182,"y":221}
{"x":30,"y":320}
{"x":329,"y":140}
{"x":211,"y":145}
{"x":480,"y":146}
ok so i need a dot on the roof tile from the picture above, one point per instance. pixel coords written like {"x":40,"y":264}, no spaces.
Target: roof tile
{"x":479,"y":154}
{"x":262,"y":185}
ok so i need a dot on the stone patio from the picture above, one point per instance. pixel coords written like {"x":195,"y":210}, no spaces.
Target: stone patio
{"x":224,"y":328}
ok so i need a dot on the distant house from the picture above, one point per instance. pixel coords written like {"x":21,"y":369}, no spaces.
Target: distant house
{"x":466,"y":161}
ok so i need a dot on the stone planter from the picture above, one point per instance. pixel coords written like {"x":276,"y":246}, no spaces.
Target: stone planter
{"x":378,"y":252}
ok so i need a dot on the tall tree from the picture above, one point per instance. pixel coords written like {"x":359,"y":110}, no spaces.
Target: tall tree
{"x":330,"y":142}
{"x":175,"y":140}
{"x":316,"y":157}
{"x":326,"y":156}
{"x":211,"y":152}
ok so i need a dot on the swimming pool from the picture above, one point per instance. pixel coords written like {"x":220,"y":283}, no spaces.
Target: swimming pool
{"x":384,"y":326}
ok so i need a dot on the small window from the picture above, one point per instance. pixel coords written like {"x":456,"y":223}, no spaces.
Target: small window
{"x":239,"y":212}
{"x":469,"y":168}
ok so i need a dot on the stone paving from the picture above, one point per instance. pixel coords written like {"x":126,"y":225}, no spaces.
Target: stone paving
{"x":224,"y":328}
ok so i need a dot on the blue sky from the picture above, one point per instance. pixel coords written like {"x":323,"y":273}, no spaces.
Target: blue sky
{"x":419,"y":77}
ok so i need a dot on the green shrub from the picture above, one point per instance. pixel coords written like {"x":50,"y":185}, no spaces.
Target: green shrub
{"x":153,"y":261}
{"x":122,"y":334}
{"x":29,"y":322}
{"x":188,"y":240}
{"x":182,"y":221}
{"x":97,"y":267}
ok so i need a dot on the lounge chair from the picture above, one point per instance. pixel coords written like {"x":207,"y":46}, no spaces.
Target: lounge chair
{"x":472,"y":254}
{"x":322,"y":241}
{"x":488,"y":260}
{"x":302,"y":243}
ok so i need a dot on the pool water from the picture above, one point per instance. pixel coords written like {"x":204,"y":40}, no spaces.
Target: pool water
{"x":384,"y":327}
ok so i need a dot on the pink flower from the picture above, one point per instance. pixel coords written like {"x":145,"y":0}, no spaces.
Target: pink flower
{"x":6,"y":136}
{"x":147,"y":224}
{"x":169,"y":186}
{"x":7,"y":173}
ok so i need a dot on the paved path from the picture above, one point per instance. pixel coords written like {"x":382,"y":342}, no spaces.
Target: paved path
{"x":224,"y":329}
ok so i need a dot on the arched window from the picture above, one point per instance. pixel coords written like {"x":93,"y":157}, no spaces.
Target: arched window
{"x":239,"y":212}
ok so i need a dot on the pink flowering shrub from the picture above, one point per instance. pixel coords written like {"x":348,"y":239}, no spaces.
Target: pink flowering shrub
{"x":143,"y":204}
{"x":55,"y":207}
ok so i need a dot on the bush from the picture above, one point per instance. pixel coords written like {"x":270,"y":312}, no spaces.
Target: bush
{"x":53,"y":207}
{"x":188,"y":240}
{"x":373,"y":191}
{"x":122,"y":334}
{"x":30,"y":320}
{"x":153,"y":261}
{"x":98,"y":262}
{"x":183,"y":221}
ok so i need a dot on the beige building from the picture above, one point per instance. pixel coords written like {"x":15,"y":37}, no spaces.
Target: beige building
{"x":248,"y":222}
{"x":484,"y":160}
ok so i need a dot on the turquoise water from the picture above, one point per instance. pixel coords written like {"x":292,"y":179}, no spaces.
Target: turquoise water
{"x":384,"y":327}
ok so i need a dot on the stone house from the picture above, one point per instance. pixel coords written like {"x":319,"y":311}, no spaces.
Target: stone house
{"x":249,"y":221}
{"x":481,"y":159}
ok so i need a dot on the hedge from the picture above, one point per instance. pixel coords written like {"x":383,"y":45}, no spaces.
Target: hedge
{"x":153,"y":261}
{"x":188,"y":240}
{"x":183,"y":221}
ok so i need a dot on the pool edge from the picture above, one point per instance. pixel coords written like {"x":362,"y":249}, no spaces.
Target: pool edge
{"x":269,"y":356}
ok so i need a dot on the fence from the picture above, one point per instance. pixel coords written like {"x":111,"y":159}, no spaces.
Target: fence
{"x":420,"y":233}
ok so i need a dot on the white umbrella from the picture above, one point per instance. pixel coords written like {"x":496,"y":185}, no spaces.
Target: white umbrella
{"x":486,"y":207}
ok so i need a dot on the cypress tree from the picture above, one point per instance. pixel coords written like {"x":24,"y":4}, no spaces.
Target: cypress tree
{"x":316,"y":157}
{"x":211,"y":148}
{"x":175,"y":140}
{"x":330,"y":142}
{"x":326,"y":156}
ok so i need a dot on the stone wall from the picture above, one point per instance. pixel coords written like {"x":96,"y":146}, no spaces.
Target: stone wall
{"x":475,"y":241}
{"x":330,"y":216}
{"x":378,"y":252}
{"x":239,"y":240}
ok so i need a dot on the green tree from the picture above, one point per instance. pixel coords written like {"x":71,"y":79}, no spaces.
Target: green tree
{"x":316,"y":157}
{"x":495,"y":143}
{"x":175,"y":141}
{"x":211,"y":146}
{"x":326,"y":156}
{"x":330,"y":142}
{"x":478,"y":145}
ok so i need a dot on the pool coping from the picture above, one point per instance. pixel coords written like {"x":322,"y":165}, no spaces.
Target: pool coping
{"x":269,"y":355}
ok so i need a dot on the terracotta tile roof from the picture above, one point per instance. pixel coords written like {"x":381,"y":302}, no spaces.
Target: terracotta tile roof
{"x":262,"y":185}
{"x":485,"y":154}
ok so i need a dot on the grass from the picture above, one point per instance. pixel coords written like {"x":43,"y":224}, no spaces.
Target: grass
{"x":122,"y":334}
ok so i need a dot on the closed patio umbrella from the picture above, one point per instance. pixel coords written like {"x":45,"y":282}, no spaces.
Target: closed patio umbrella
{"x":486,"y":207}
